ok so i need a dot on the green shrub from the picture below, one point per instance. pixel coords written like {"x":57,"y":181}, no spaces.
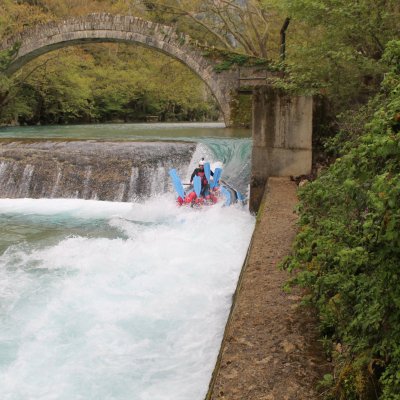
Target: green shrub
{"x":348,"y":250}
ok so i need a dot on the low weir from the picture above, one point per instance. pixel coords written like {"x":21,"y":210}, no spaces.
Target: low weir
{"x":99,"y":170}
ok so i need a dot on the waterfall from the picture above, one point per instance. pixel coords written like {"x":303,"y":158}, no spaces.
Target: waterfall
{"x":133,"y":183}
{"x":113,"y":171}
{"x":57,"y":183}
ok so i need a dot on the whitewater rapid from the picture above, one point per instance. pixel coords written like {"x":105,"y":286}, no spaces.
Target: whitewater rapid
{"x":108,"y":300}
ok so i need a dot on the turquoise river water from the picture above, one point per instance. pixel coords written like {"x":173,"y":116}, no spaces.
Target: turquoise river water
{"x":111,"y":300}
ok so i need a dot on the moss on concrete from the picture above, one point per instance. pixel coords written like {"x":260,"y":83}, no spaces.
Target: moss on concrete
{"x":241,"y":110}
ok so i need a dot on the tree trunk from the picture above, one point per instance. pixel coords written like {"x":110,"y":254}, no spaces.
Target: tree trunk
{"x":283,"y":39}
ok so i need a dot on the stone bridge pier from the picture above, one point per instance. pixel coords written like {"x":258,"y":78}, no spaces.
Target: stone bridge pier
{"x":282,"y":138}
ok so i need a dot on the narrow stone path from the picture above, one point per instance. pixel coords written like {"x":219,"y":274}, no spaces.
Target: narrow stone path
{"x":270,"y":349}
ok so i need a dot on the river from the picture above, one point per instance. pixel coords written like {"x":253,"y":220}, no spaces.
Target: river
{"x":120,"y":300}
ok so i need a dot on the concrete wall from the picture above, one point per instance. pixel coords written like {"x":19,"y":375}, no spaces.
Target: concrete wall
{"x":282,"y":138}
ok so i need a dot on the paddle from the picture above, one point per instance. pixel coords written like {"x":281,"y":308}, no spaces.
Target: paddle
{"x":227,"y":195}
{"x":177,"y":183}
{"x":217,"y":175}
{"x":236,"y":194}
{"x":207,"y":171}
{"x":197,"y":185}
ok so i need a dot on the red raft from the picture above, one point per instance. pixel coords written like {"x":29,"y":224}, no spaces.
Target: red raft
{"x":205,"y":195}
{"x":193,"y":200}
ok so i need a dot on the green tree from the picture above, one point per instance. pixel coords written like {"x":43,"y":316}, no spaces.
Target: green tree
{"x":334,"y":47}
{"x":249,"y":27}
{"x":103,"y":82}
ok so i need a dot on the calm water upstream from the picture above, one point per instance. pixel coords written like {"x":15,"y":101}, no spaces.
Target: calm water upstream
{"x":111,"y":300}
{"x":143,"y":131}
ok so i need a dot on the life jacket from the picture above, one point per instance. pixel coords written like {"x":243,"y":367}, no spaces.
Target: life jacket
{"x":202,"y":175}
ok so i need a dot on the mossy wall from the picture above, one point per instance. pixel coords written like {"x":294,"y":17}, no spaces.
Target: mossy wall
{"x":241,"y":110}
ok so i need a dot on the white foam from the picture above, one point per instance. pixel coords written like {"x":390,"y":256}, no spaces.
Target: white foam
{"x":139,"y":318}
{"x":77,"y":207}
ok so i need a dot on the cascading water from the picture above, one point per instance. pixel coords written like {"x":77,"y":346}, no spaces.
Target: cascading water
{"x":232,"y":155}
{"x":88,"y":170}
{"x":117,"y":300}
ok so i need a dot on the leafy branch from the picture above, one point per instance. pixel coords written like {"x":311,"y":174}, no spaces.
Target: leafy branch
{"x":233,"y":24}
{"x":7,"y":56}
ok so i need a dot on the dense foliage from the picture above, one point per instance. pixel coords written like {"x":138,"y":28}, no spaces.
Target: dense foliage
{"x":250,"y":27}
{"x":334,"y":48}
{"x":348,"y":248}
{"x":103,"y":82}
{"x":106,"y":83}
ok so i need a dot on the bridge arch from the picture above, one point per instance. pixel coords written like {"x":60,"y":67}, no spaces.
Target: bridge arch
{"x":282,"y":123}
{"x":127,"y":29}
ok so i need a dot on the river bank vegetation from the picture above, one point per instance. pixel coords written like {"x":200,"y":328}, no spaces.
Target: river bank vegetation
{"x":348,"y":248}
{"x":347,"y":252}
{"x":345,"y":54}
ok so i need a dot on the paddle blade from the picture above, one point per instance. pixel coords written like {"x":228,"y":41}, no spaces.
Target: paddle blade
{"x":207,"y":171}
{"x":197,"y":185}
{"x":177,"y":183}
{"x":227,"y":195}
{"x":240,"y":197}
{"x":217,"y":176}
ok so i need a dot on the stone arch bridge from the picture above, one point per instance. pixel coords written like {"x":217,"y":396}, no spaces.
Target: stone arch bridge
{"x":282,"y":124}
{"x":128,"y":29}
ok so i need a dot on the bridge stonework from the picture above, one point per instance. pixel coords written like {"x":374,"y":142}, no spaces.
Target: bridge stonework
{"x":282,"y":124}
{"x":128,"y":29}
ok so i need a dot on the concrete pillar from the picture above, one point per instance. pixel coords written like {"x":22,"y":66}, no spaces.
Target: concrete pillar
{"x":282,"y":138}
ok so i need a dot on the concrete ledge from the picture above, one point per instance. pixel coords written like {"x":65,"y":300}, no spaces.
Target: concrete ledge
{"x":282,"y":161}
